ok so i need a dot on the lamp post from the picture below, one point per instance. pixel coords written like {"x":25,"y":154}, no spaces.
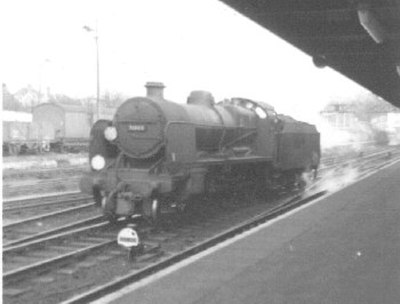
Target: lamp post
{"x":96,"y":38}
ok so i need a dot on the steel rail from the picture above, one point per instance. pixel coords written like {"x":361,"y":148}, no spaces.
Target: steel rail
{"x":23,"y":271}
{"x":48,"y":215}
{"x":46,"y":264}
{"x":375,"y":155}
{"x":376,"y":167}
{"x":46,"y":170}
{"x":53,"y":200}
{"x":19,"y":191}
{"x":58,"y":230}
{"x":341,"y":159}
{"x":38,"y":197}
{"x":43,"y":241}
{"x":13,"y":185}
{"x":344,"y":158}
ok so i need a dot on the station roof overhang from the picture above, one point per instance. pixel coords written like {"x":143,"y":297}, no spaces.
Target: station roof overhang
{"x":358,"y":38}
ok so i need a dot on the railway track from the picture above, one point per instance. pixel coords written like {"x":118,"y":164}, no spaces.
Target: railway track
{"x":44,"y":173}
{"x":40,"y":186}
{"x":170,"y":259}
{"x":57,"y":264}
{"x":173,"y":258}
{"x":16,"y":230}
{"x":28,"y":219}
{"x":21,"y":209}
{"x":46,"y":182}
{"x":36,"y":211}
{"x":22,"y":260}
{"x":330,"y":163}
{"x":35,"y":201}
{"x":40,"y":235}
{"x":67,"y":264}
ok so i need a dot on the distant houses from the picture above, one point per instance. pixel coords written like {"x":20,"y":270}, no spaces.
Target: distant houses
{"x":340,"y":116}
{"x":365,"y":120}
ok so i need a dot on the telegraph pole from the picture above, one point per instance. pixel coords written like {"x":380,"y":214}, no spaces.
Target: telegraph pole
{"x":96,"y":38}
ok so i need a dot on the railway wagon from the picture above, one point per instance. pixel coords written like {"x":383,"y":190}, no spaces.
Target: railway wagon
{"x":156,"y":155}
{"x":16,"y":131}
{"x":64,"y":126}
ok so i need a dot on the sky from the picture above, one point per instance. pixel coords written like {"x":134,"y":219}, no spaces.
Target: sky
{"x":186,"y":44}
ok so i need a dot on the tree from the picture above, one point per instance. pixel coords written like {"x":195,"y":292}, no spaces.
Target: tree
{"x":10,"y":103}
{"x":112,"y":99}
{"x":370,"y":106}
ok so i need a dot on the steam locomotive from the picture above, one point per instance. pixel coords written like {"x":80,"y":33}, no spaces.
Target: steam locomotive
{"x":156,"y":155}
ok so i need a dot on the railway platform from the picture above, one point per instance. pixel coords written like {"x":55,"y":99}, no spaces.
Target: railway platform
{"x":343,"y":248}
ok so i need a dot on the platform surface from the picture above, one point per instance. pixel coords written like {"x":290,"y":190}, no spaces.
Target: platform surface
{"x":343,"y":249}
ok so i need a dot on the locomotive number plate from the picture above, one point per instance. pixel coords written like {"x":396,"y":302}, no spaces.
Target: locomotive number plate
{"x":137,"y":128}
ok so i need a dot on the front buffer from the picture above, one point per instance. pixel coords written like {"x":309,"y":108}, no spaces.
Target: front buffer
{"x":129,"y":192}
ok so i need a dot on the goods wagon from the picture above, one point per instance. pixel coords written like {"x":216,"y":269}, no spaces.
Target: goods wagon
{"x":50,"y":126}
{"x":61,"y":125}
{"x":17,"y":133}
{"x":64,"y":126}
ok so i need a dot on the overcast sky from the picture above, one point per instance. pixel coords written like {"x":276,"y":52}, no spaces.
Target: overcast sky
{"x":186,"y":44}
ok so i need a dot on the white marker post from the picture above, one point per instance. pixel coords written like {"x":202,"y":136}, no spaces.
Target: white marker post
{"x":129,"y":239}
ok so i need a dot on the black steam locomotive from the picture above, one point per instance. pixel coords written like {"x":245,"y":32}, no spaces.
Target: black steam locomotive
{"x":157,"y":155}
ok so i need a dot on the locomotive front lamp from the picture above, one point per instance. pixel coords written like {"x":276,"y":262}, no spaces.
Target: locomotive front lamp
{"x":110,"y":133}
{"x":98,"y":162}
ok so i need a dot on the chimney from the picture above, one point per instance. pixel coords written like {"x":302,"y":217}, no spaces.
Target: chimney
{"x":155,"y":90}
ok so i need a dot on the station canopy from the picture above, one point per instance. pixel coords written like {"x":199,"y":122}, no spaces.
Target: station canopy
{"x":358,"y":38}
